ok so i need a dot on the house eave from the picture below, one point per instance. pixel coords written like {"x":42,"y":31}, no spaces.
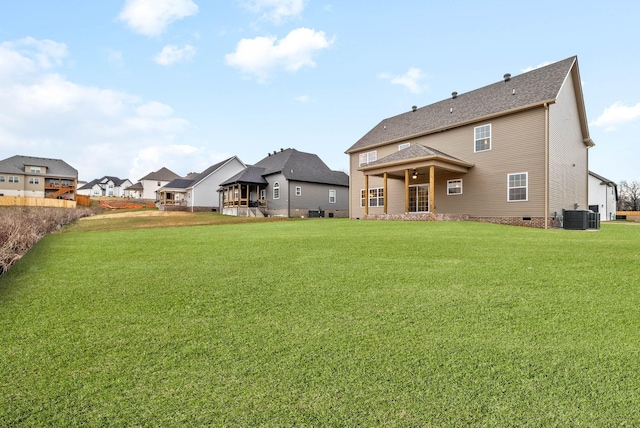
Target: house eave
{"x":453,"y":126}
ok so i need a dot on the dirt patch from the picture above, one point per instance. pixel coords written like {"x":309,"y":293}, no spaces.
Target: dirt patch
{"x":145,"y":213}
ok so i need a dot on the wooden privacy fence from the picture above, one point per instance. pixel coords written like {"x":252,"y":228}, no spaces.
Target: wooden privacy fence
{"x":83,"y":200}
{"x":629,"y":215}
{"x":26,"y":201}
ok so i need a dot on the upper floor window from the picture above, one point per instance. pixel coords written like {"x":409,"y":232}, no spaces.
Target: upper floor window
{"x":34,"y":180}
{"x":454,"y":187}
{"x":367,"y":158}
{"x":1,"y":178}
{"x":376,"y":197}
{"x":517,"y":186}
{"x":403,"y":146}
{"x":276,"y":190}
{"x":482,"y":138}
{"x":14,"y":179}
{"x":332,"y":196}
{"x":35,"y":169}
{"x":298,"y":191}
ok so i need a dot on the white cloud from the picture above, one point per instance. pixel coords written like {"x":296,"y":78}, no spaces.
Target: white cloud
{"x":275,"y":10}
{"x":303,"y":99}
{"x":152,"y":17}
{"x":617,"y":114}
{"x":28,"y":55}
{"x":171,"y":54}
{"x":261,"y":55}
{"x":542,"y":64}
{"x":410,"y":80}
{"x":98,"y":131}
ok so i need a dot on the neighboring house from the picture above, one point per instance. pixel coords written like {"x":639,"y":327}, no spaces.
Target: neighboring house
{"x":603,"y":196}
{"x":287,"y":183}
{"x":514,"y":152}
{"x":199,"y":192}
{"x":153,"y":181}
{"x":134,"y":191}
{"x":37,"y":177}
{"x":105,"y":186}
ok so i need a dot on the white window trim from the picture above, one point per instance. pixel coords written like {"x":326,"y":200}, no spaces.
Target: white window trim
{"x":298,"y":190}
{"x":367,"y":158}
{"x":403,"y":146}
{"x":14,"y":179}
{"x":475,"y":140}
{"x":34,"y":180}
{"x":276,"y":190}
{"x":526,"y":187}
{"x":332,"y":195}
{"x":368,"y":198}
{"x":449,"y":188}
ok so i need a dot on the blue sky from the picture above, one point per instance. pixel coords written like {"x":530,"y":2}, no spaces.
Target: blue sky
{"x":125,"y":87}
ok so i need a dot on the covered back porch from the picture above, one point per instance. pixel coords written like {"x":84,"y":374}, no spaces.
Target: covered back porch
{"x":418,"y":168}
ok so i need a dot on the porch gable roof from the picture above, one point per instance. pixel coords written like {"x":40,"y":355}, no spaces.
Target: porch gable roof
{"x":249,"y":175}
{"x":414,"y":156}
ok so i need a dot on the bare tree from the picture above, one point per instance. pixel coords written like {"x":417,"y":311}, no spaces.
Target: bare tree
{"x":629,"y":196}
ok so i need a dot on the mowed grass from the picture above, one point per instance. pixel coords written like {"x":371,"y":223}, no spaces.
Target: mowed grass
{"x":324,"y":323}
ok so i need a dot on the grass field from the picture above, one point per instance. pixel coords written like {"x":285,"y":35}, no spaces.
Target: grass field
{"x":323,"y":323}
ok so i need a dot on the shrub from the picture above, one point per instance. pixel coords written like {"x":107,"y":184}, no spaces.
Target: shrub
{"x":22,"y":227}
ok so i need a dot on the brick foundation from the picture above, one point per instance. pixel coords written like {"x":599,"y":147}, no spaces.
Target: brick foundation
{"x":537,"y":222}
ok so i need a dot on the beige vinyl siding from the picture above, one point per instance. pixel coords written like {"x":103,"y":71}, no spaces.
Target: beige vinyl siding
{"x":517,"y":145}
{"x":568,"y":184}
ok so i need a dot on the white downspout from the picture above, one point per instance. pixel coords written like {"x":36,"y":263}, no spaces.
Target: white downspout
{"x":546,"y":165}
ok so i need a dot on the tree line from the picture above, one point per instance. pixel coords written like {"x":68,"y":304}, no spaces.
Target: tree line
{"x":629,"y":196}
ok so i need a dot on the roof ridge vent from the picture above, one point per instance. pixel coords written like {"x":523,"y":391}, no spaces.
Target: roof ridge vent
{"x":507,"y":77}
{"x":454,"y":95}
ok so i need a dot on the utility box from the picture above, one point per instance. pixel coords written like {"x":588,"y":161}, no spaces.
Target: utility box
{"x":580,"y":219}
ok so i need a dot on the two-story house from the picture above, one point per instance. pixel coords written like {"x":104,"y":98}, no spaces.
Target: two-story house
{"x":149,"y":185}
{"x":513,"y":152}
{"x":105,"y":186}
{"x":287,"y":183}
{"x":37,"y":177}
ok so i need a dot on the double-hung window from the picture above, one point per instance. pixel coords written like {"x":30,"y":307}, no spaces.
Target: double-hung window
{"x":14,"y":179}
{"x":298,"y":191}
{"x":332,"y":196}
{"x":376,"y":197}
{"x":482,"y":139}
{"x":454,"y":187}
{"x":276,"y":190}
{"x":518,"y":187}
{"x":34,"y":180}
{"x":367,"y":158}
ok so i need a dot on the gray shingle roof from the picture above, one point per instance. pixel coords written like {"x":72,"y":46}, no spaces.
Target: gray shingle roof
{"x":137,"y":186}
{"x":528,"y":89}
{"x":249,"y":175}
{"x":301,"y":166}
{"x":415,"y":151}
{"x":163,"y":174}
{"x":178,"y":183}
{"x":55,"y":167}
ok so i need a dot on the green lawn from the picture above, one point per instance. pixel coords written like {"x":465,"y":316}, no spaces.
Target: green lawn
{"x":324,"y":323}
